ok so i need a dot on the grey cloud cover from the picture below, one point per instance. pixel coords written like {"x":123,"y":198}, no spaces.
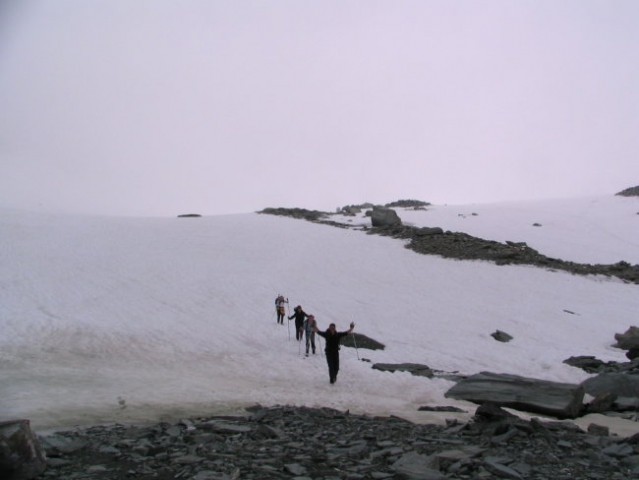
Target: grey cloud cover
{"x":161,"y":107}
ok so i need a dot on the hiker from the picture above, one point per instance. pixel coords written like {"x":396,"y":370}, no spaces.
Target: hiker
{"x":279,"y":308}
{"x":333,"y":338}
{"x":299,"y":316}
{"x":309,"y":330}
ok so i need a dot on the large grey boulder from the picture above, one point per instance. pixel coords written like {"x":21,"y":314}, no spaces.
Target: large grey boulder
{"x":627,"y":340}
{"x":21,"y":455}
{"x":384,"y":217}
{"x":561,"y":400}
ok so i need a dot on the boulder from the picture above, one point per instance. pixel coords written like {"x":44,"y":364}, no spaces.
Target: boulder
{"x":561,"y":400}
{"x":21,"y":455}
{"x":628,"y":340}
{"x":501,"y":336}
{"x":385,"y":217}
{"x":359,"y":340}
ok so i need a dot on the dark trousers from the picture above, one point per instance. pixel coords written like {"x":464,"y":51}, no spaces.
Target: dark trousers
{"x":310,"y":339}
{"x":298,"y":330}
{"x":332,"y":358}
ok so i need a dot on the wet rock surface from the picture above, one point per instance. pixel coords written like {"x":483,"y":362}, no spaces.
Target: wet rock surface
{"x":325,"y":444}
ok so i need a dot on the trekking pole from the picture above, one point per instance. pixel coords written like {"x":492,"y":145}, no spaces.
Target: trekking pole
{"x":355,"y":343}
{"x":288,"y":323}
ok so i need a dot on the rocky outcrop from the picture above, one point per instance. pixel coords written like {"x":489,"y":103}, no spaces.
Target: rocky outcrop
{"x":414,"y":204}
{"x":630,"y":192}
{"x":561,"y":400}
{"x":461,"y":246}
{"x":304,"y":443}
{"x":413,"y":368}
{"x":301,"y":213}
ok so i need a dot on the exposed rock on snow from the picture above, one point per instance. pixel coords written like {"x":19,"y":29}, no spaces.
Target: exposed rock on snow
{"x":501,"y":336}
{"x":630,"y":192}
{"x":561,"y":400}
{"x":384,"y":217}
{"x":413,"y":368}
{"x":462,"y":246}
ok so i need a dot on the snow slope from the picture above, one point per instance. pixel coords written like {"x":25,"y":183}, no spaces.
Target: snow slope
{"x":107,"y":319}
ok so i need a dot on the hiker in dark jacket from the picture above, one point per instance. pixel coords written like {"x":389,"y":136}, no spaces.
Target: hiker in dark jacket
{"x":299,"y":317}
{"x":333,"y":337}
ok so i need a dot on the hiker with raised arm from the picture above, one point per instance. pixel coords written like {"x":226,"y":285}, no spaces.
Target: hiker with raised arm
{"x":333,"y":337}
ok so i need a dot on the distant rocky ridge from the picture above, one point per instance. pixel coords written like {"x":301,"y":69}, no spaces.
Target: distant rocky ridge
{"x":630,"y":192}
{"x":457,"y":245}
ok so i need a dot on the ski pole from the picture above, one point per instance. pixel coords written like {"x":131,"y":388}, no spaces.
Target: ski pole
{"x":355,"y":343}
{"x":288,"y":324}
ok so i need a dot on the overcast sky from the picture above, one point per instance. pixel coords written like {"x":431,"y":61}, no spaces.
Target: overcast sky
{"x":154,"y":107}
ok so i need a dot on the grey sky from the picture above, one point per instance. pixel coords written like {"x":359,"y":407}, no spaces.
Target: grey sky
{"x":154,"y":107}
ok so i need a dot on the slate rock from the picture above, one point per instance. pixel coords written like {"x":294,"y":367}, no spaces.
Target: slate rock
{"x":560,"y":400}
{"x":413,"y":368}
{"x":415,"y":466}
{"x":327,"y":444}
{"x":501,"y":336}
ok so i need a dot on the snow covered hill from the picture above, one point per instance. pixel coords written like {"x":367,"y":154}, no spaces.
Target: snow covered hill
{"x":129,"y":319}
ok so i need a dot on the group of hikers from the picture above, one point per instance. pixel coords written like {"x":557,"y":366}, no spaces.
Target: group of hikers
{"x":306,"y":326}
